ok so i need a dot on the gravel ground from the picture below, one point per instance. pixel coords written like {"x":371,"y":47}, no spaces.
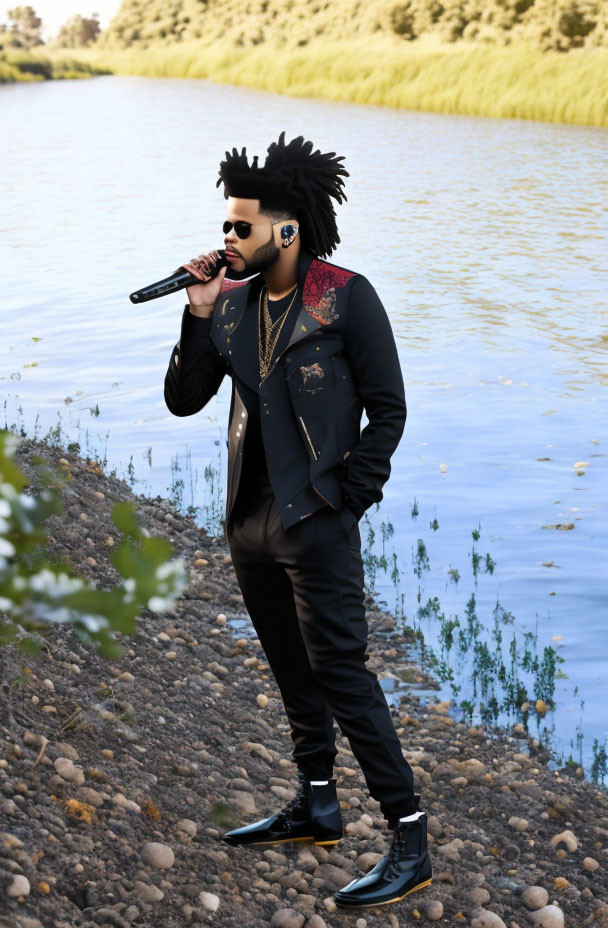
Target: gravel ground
{"x":117,"y":779}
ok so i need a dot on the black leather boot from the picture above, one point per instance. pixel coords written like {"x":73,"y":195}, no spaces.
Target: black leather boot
{"x":312,"y":816}
{"x":406,"y":867}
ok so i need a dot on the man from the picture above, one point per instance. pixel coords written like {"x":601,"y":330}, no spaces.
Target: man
{"x":307,"y":345}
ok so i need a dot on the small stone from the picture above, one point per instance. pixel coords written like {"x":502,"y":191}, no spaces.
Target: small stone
{"x":262,"y":700}
{"x":330,"y":904}
{"x":19,"y":886}
{"x":126,"y":677}
{"x":287,"y":918}
{"x":551,"y":916}
{"x":567,"y":838}
{"x":519,"y":824}
{"x":157,"y":855}
{"x":66,"y":769}
{"x":560,"y":883}
{"x":49,"y":685}
{"x":221,"y":619}
{"x":534,"y":897}
{"x":590,"y":864}
{"x":483,"y":918}
{"x":148,"y":893}
{"x":187,"y":826}
{"x":170,"y":655}
{"x":432,"y":909}
{"x":209,"y":901}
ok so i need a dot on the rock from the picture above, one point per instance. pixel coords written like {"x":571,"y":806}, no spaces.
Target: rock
{"x":335,"y":878}
{"x":472,"y":769}
{"x":287,"y":918}
{"x":519,"y":824}
{"x":590,"y":864}
{"x":157,"y":855}
{"x":66,"y":769}
{"x":187,"y":826}
{"x":121,"y":800}
{"x":262,"y":700}
{"x":550,"y":916}
{"x":330,"y":904}
{"x":20,"y":886}
{"x":209,"y":901}
{"x":431,"y":909}
{"x":478,"y":897}
{"x":483,"y":918}
{"x":534,"y":897}
{"x":307,"y":861}
{"x":567,"y":838}
{"x":244,"y":802}
{"x":315,"y":921}
{"x":253,"y":748}
{"x":148,"y":893}
{"x":452,"y":849}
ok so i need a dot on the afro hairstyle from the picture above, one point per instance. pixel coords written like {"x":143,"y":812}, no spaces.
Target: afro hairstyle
{"x":293,"y":179}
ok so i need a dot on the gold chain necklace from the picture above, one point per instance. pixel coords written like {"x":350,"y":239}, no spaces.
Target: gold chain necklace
{"x":266,"y":350}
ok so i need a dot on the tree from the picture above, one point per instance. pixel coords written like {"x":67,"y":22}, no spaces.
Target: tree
{"x":78,"y":32}
{"x":24,"y":28}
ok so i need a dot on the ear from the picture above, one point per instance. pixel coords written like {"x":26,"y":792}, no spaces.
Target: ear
{"x":288,"y":234}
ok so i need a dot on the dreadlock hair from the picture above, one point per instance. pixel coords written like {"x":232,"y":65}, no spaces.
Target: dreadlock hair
{"x":294,"y":182}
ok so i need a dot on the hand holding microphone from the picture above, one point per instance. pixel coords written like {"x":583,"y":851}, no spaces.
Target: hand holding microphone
{"x":205,"y":267}
{"x":203,"y":296}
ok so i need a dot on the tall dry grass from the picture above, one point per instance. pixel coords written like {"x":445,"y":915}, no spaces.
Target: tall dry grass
{"x":514,"y":81}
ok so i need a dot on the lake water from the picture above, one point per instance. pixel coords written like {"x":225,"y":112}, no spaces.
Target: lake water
{"x":486,"y":241}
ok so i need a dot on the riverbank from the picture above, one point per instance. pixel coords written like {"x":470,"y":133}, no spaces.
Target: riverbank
{"x":118,"y":780}
{"x":30,"y":67}
{"x":515,"y":81}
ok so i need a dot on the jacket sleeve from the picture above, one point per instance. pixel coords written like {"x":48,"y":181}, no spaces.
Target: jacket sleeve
{"x":196,"y":369}
{"x":370,"y":348}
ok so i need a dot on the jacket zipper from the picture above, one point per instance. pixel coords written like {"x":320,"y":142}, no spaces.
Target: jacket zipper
{"x":312,"y":448}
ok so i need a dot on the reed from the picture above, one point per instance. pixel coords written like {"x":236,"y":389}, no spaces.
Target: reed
{"x":514,"y":81}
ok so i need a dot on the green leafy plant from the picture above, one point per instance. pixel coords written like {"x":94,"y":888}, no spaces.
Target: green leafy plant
{"x":35,"y":593}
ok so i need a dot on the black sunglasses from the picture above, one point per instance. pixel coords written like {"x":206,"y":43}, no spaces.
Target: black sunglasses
{"x":242,"y":229}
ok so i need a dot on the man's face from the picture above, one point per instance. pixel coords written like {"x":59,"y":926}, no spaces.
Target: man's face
{"x":258,"y":251}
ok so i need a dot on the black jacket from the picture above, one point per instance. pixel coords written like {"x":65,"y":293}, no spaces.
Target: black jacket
{"x":312,"y":399}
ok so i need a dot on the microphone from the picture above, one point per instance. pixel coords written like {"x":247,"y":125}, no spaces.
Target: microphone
{"x":180,"y":279}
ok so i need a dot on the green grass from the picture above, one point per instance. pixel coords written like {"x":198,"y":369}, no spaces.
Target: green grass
{"x":514,"y":81}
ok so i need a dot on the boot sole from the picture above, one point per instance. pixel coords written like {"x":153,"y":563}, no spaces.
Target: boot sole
{"x":282,"y":841}
{"x":371,"y":905}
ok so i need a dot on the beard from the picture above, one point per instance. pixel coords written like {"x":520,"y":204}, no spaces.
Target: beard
{"x":264,"y":257}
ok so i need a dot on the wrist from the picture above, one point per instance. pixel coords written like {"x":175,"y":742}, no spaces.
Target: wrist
{"x":204,"y":311}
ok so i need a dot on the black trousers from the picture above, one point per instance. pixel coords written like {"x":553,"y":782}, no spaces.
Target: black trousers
{"x":303,"y":589}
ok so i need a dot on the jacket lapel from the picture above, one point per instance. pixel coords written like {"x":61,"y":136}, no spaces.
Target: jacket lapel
{"x":244,"y":334}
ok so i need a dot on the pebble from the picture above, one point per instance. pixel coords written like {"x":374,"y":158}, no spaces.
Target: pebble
{"x":483,"y":918}
{"x":157,"y":855}
{"x":20,"y":886}
{"x":147,"y":892}
{"x":126,"y":677}
{"x":262,"y":700}
{"x":187,"y":826}
{"x":209,"y":901}
{"x":550,"y":916}
{"x":519,"y":824}
{"x":589,"y":863}
{"x":567,"y":838}
{"x":534,"y":897}
{"x":66,"y":769}
{"x":431,"y":909}
{"x":287,"y":918}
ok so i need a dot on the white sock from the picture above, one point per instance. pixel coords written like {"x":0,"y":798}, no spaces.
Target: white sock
{"x":319,"y":782}
{"x":411,"y":818}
